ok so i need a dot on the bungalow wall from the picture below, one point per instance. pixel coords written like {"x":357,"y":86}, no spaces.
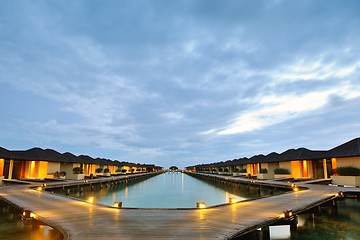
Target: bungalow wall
{"x":299,"y":168}
{"x":33,"y":169}
{"x":347,"y":161}
{"x":286,"y":165}
{"x":2,"y":163}
{"x":53,"y":167}
{"x":270,"y":168}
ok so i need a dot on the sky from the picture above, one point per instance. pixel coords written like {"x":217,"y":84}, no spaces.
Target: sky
{"x":179,"y":82}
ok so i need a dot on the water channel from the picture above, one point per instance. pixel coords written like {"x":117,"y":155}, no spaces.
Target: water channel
{"x":168,"y":190}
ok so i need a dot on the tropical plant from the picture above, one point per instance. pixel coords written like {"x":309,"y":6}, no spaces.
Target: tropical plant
{"x":347,"y":171}
{"x":118,"y":170}
{"x":77,"y":170}
{"x":263,"y":170}
{"x":220,"y":170}
{"x":281,"y":171}
{"x":226,"y":170}
{"x":236,"y":170}
{"x":106,"y":170}
{"x":98,"y":170}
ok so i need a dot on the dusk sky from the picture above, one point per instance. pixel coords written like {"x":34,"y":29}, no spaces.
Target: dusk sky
{"x":179,"y":82}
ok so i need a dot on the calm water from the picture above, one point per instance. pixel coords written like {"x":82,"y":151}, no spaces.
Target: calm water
{"x":329,"y":224}
{"x":13,"y":228}
{"x":168,"y":190}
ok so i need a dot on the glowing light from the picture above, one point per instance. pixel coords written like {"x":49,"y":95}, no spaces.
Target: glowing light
{"x":91,"y":200}
{"x":200,"y":205}
{"x":232,"y":200}
{"x":39,"y":188}
{"x":288,"y":213}
{"x":117,"y":204}
{"x":296,"y":189}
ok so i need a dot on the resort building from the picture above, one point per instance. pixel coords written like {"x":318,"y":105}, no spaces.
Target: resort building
{"x":37,"y":163}
{"x":298,"y":163}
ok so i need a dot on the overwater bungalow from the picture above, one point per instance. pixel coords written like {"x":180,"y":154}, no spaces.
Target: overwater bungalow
{"x":37,"y":163}
{"x":298,"y":163}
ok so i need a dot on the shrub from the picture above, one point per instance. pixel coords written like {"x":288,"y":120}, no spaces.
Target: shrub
{"x":106,"y":170}
{"x":118,"y":170}
{"x":62,"y":173}
{"x":281,"y":171}
{"x":220,"y":170}
{"x":236,"y":170}
{"x":263,"y":170}
{"x":347,"y":171}
{"x":77,"y":170}
{"x":226,"y":170}
{"x":124,"y":170}
{"x":243,"y":170}
{"x":98,"y":170}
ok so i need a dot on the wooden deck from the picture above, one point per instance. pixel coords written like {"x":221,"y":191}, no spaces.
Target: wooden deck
{"x":84,"y":221}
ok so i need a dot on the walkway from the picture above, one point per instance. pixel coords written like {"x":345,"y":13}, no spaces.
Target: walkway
{"x":84,"y":221}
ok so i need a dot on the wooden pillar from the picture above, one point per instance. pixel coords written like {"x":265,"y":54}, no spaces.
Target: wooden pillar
{"x":325,"y":169}
{"x":11,"y":166}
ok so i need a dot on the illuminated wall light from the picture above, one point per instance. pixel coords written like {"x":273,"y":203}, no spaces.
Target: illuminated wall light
{"x":91,"y":200}
{"x":232,"y":200}
{"x":117,"y":204}
{"x":200,"y":205}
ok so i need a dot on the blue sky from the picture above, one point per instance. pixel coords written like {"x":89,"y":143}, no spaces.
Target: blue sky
{"x":179,"y":82}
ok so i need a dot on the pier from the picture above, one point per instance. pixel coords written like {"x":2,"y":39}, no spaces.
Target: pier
{"x":84,"y":221}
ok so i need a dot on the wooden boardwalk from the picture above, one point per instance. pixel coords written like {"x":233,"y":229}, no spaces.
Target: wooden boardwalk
{"x":83,"y":221}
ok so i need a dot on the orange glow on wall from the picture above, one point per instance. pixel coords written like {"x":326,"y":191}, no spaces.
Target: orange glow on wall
{"x":333,"y":163}
{"x":296,"y":169}
{"x":305,"y":171}
{"x":32,"y":170}
{"x":42,"y":169}
{"x":2,"y":162}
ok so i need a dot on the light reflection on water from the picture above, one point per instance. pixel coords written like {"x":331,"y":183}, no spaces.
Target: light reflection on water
{"x":169,"y":190}
{"x":12,"y":227}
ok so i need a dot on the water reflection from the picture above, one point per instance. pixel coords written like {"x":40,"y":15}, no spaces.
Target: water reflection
{"x":12,"y":227}
{"x":330,"y":222}
{"x":170,"y":190}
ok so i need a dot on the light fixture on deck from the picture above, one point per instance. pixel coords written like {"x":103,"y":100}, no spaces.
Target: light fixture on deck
{"x":294,"y":187}
{"x":288,"y":213}
{"x":117,"y":204}
{"x":91,"y":200}
{"x":339,"y":194}
{"x":44,"y":184}
{"x":39,"y":188}
{"x":232,"y":200}
{"x":86,"y":181}
{"x":200,"y":205}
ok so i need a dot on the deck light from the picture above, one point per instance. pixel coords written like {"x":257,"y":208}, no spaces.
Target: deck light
{"x":91,"y":200}
{"x":288,"y":213}
{"x":232,"y":200}
{"x":339,"y":194}
{"x":117,"y":204}
{"x":296,"y":189}
{"x":200,"y":205}
{"x":44,"y":185}
{"x":293,"y":185}
{"x":39,"y":188}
